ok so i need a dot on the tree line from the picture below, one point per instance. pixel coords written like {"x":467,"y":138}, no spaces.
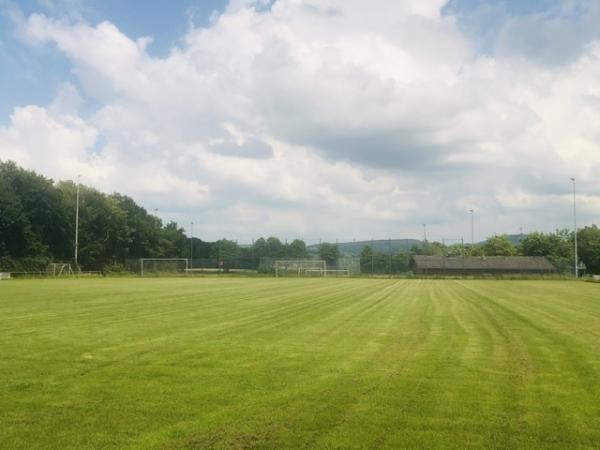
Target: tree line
{"x":557,"y":246}
{"x":37,"y":224}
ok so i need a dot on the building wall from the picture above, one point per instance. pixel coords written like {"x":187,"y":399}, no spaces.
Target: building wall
{"x":461,"y":271}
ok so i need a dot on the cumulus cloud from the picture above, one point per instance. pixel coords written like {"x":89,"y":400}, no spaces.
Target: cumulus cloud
{"x":324,"y":118}
{"x":36,"y":138}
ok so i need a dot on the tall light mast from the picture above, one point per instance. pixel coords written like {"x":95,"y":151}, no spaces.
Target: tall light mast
{"x":77,"y":223}
{"x":192,"y":246}
{"x":575,"y":228}
{"x":472,"y":211}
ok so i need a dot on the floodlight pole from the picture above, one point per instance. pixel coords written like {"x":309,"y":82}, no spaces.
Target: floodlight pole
{"x":472,"y":211}
{"x":77,"y":222}
{"x":192,"y":246}
{"x":462,"y":243}
{"x":575,"y":228}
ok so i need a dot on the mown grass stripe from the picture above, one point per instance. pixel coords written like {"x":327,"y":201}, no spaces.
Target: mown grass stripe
{"x":314,"y":363}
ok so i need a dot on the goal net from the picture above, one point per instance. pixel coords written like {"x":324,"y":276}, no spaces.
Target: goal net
{"x":300,"y":267}
{"x":163,"y":266}
{"x":59,"y":270}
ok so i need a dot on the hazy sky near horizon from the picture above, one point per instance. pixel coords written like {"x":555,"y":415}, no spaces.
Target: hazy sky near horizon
{"x":319,"y":119}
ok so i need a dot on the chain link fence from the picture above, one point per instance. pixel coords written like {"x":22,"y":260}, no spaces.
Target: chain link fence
{"x":352,"y":265}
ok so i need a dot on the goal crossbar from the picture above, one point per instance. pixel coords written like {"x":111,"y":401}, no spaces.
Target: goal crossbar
{"x":59,"y":269}
{"x":300,"y":266}
{"x":326,"y":271}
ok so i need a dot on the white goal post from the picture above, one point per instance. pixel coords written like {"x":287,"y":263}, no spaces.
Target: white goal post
{"x":300,"y":267}
{"x":167,"y":265}
{"x":331,"y":271}
{"x":59,"y":269}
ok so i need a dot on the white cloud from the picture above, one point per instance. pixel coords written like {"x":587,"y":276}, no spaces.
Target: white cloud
{"x":332,"y":118}
{"x":54,"y":145}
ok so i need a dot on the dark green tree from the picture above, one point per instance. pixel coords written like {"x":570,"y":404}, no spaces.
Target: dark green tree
{"x":14,"y":225}
{"x":499,"y":246}
{"x":225,"y":249}
{"x":275,"y":248}
{"x":366,"y":259}
{"x":329,"y":252}
{"x":297,"y":249}
{"x":173,"y":242}
{"x":588,"y":241}
{"x":34,"y":215}
{"x":259,"y":248}
{"x":557,"y":247}
{"x":400,"y":262}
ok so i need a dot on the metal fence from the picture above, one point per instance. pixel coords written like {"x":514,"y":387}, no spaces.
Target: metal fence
{"x":353,"y":265}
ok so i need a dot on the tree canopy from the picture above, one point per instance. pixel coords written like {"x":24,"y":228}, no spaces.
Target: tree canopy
{"x":37,"y":224}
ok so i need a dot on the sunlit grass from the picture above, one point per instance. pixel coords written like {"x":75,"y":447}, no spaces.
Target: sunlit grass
{"x":318,"y":363}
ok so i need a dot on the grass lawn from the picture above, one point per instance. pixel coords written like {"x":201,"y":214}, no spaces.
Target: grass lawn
{"x":313,"y":363}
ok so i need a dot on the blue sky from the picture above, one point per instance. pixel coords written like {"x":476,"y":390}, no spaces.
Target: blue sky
{"x":32,"y":75}
{"x":270,"y":117}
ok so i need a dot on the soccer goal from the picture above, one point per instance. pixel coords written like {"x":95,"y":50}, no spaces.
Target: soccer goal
{"x":163,"y":266}
{"x":300,"y":267}
{"x":59,"y":270}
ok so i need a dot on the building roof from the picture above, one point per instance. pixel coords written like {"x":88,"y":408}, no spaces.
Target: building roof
{"x":495,"y":263}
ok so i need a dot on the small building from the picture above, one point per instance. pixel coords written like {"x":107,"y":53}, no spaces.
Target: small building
{"x":480,"y":265}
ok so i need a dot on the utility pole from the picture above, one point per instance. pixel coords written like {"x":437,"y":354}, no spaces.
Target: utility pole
{"x":77,"y":224}
{"x":472,"y":211}
{"x":575,"y":228}
{"x":390,"y":255}
{"x":372,"y":257}
{"x":424,"y":232}
{"x":192,"y":246}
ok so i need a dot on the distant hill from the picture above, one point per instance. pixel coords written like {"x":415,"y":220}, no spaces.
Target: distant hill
{"x":382,"y":245}
{"x":516,"y":238}
{"x":393,"y":245}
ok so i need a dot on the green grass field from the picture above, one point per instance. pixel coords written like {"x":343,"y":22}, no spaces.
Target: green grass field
{"x":312,"y":363}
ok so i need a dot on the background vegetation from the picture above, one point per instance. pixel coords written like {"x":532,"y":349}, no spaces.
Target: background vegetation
{"x":37,"y":223}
